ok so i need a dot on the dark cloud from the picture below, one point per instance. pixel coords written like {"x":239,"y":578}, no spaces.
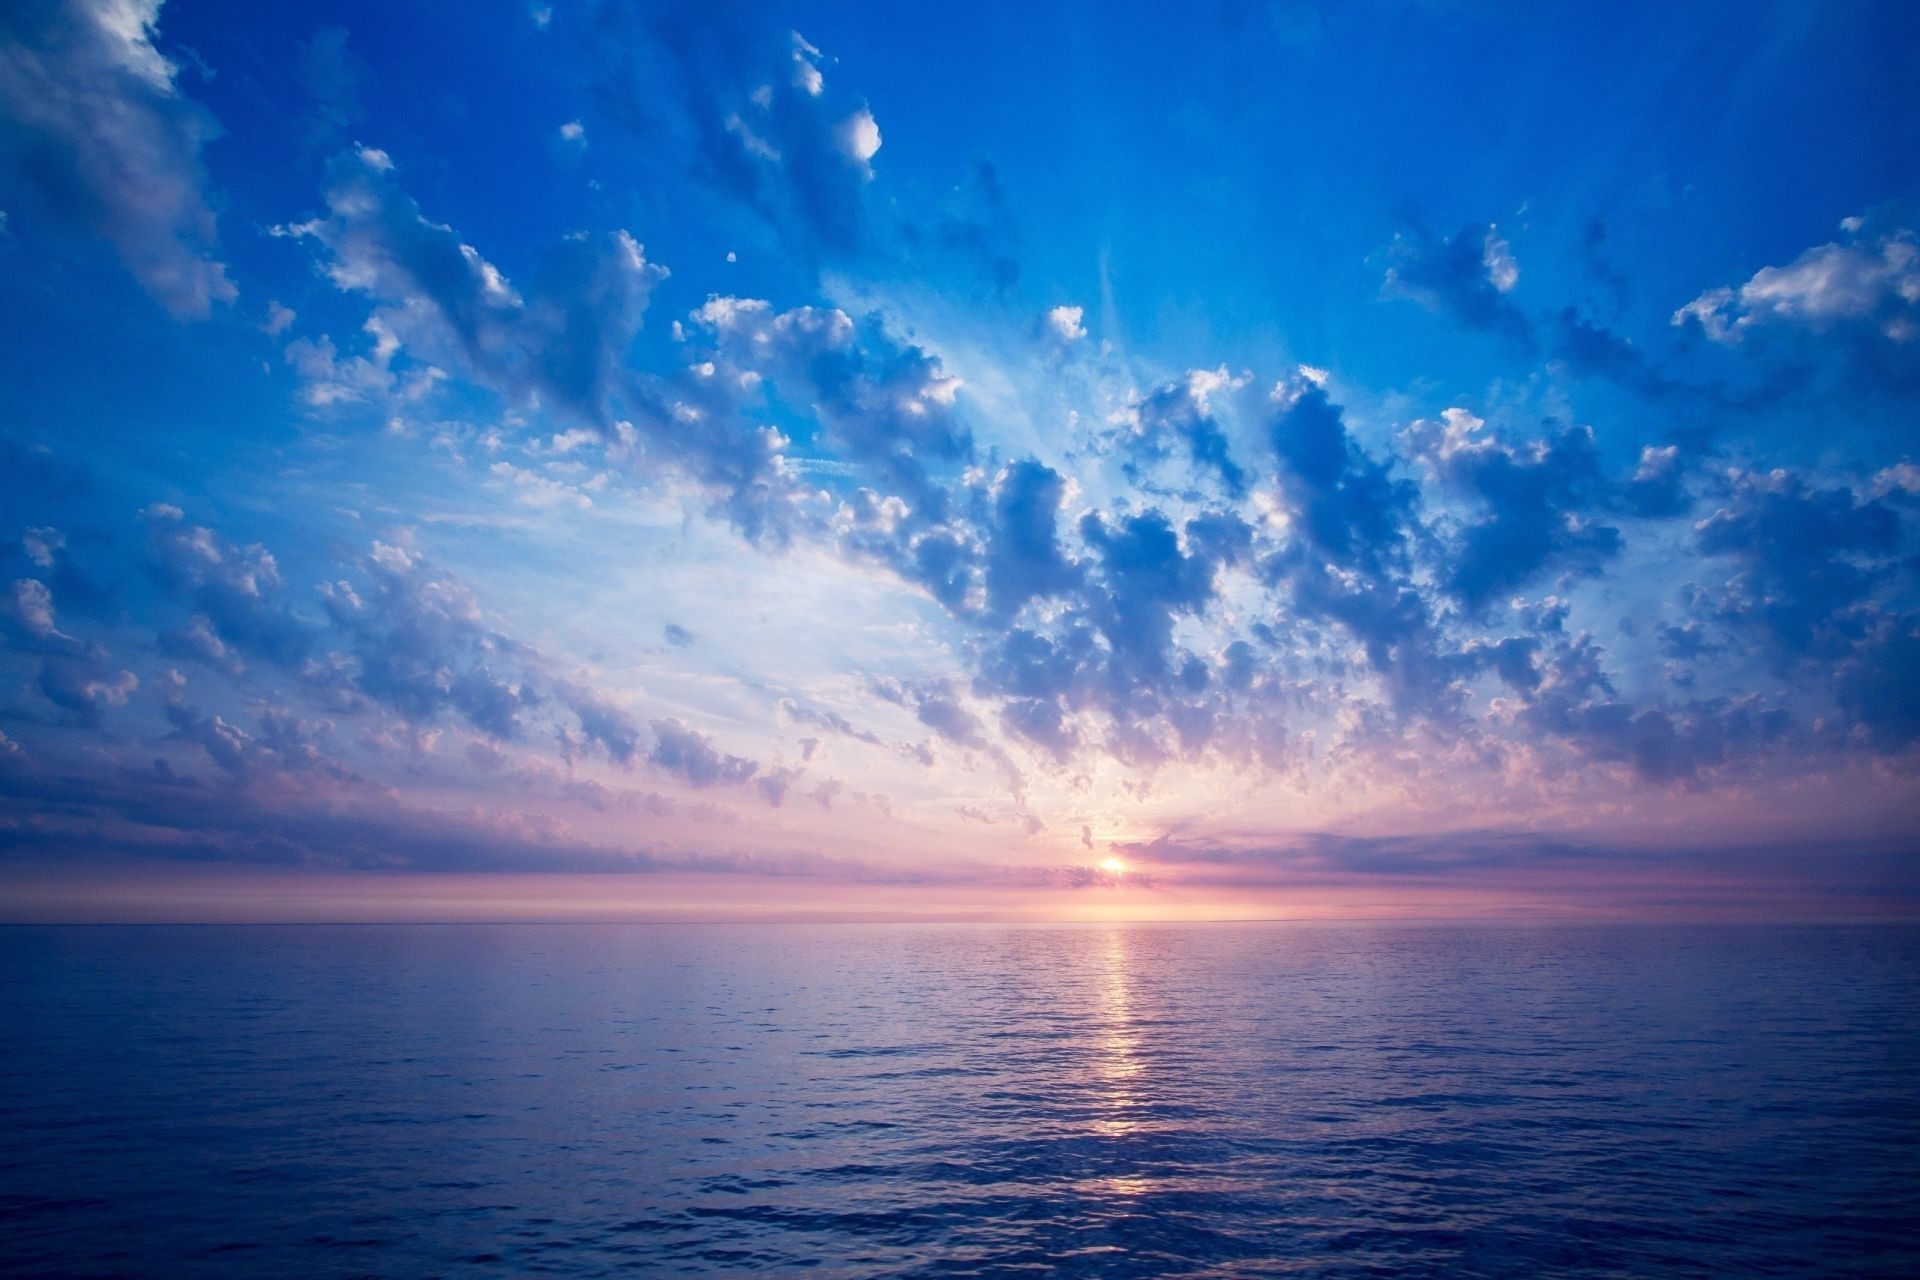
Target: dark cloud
{"x":1180,"y":415}
{"x":561,"y":346}
{"x":1878,"y":684}
{"x":1591,"y":250}
{"x":1025,"y":559}
{"x":1575,"y":700}
{"x":936,"y":707}
{"x":1146,"y":581}
{"x":883,"y":404}
{"x":1108,"y":648}
{"x":1042,"y":722}
{"x":237,"y":593}
{"x":617,"y":732}
{"x":691,"y":755}
{"x":281,"y":741}
{"x":1465,"y":277}
{"x":1348,"y":508}
{"x":85,"y":685}
{"x":1349,"y":557}
{"x":975,"y":223}
{"x":753,"y":108}
{"x":1808,"y":558}
{"x":336,"y":77}
{"x":417,"y":643}
{"x":33,"y":471}
{"x":76,"y":676}
{"x":265,"y":807}
{"x":96,"y":134}
{"x":1593,"y":350}
{"x":563,"y":343}
{"x":1538,"y":504}
{"x":1700,"y":872}
{"x":831,"y":721}
{"x":398,"y":633}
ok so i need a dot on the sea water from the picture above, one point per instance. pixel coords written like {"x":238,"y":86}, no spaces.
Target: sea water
{"x":1208,"y":1100}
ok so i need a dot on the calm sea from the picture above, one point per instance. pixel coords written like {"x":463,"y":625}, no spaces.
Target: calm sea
{"x":959,"y":1101}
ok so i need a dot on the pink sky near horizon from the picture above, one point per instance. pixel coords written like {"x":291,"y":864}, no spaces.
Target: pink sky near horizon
{"x":42,"y":893}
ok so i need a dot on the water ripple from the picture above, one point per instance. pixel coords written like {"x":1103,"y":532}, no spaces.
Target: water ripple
{"x":969,"y":1101}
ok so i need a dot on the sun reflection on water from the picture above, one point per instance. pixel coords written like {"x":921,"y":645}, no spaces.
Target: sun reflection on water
{"x":1118,"y":1063}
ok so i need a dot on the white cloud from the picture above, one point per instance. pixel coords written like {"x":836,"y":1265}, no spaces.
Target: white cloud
{"x":860,"y":138}
{"x":30,"y":606}
{"x":806,"y":72}
{"x":1877,"y":277}
{"x":1502,"y":271}
{"x":1065,"y":322}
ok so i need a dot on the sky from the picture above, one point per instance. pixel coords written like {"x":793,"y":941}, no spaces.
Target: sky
{"x":681,"y":461}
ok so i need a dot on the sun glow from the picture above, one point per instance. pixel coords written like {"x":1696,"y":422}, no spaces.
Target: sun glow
{"x":1114,"y":867}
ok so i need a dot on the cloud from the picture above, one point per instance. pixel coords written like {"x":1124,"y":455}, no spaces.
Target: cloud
{"x":76,"y":676}
{"x":1349,"y":558}
{"x":397,"y":632}
{"x":1538,"y":501}
{"x":1024,"y":557}
{"x":335,"y":78}
{"x":1465,"y":276}
{"x":691,"y":755}
{"x":85,"y":684}
{"x":1876,"y":686}
{"x":1182,"y":413}
{"x":418,"y":643}
{"x":752,"y":111}
{"x":560,"y":346}
{"x":1838,"y":324}
{"x":1808,"y":558}
{"x":1064,"y":323}
{"x":831,"y":721}
{"x":237,"y":592}
{"x":28,"y":605}
{"x":859,"y":138}
{"x":96,"y":133}
{"x":1872,"y":280}
{"x":438,"y":298}
{"x":885,"y":405}
{"x":936,"y":706}
{"x":975,"y":223}
{"x":1347,"y":507}
{"x":1575,"y":700}
{"x":615,"y":729}
{"x":1148,"y":580}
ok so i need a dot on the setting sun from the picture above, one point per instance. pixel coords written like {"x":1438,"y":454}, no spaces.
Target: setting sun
{"x":1113,"y":866}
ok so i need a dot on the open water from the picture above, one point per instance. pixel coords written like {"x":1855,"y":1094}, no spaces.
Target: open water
{"x":1283,"y":1100}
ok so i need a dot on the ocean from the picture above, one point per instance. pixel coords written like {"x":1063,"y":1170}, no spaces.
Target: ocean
{"x":1302,"y":1100}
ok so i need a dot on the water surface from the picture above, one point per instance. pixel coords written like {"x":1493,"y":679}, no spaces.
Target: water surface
{"x":959,"y":1101}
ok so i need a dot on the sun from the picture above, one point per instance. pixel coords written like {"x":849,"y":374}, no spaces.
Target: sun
{"x":1114,"y":867}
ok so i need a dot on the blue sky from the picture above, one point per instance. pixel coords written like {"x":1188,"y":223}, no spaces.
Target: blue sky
{"x":1381,"y":458}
